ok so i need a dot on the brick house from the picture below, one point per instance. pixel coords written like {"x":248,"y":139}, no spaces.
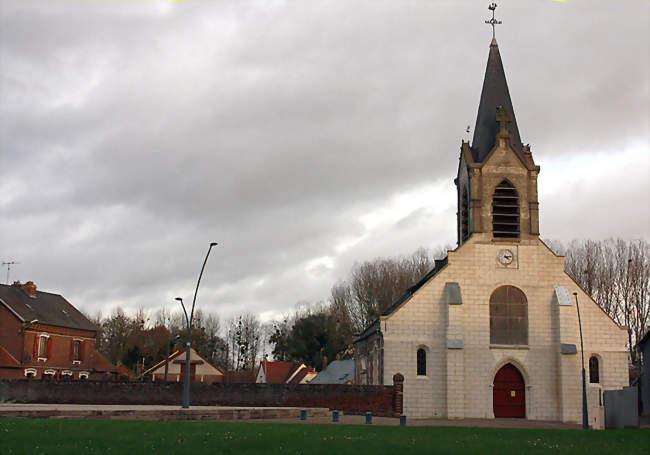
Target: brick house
{"x":43,"y":336}
{"x":492,"y":330}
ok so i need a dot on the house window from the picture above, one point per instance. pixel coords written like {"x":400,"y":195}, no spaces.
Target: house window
{"x":44,"y":346}
{"x":30,"y":372}
{"x":66,"y":373}
{"x":508,"y":316}
{"x":83,"y":375}
{"x":422,"y":362}
{"x":49,"y":374}
{"x":594,"y":373}
{"x":505,"y":211}
{"x":76,"y":351}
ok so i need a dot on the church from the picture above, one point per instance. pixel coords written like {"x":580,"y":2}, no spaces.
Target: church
{"x":494,"y":330}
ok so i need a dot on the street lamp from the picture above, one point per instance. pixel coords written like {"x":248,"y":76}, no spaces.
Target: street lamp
{"x":585,"y":416}
{"x":188,"y":320}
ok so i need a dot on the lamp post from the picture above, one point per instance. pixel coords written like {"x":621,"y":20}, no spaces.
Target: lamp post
{"x":188,"y":320}
{"x":585,"y":416}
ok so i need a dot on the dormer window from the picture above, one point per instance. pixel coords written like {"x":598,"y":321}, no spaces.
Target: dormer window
{"x":505,"y":211}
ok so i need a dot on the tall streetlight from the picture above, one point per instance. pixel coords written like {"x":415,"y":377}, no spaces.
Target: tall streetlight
{"x":585,"y":416}
{"x":188,"y":320}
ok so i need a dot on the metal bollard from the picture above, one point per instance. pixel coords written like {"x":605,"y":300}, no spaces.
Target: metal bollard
{"x":303,"y":414}
{"x":368,"y":418}
{"x":402,"y":421}
{"x":335,"y":416}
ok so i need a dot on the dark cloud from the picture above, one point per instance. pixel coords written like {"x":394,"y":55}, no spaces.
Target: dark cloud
{"x":132,"y":134}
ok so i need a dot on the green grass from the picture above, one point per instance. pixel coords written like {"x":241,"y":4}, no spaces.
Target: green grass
{"x":34,"y":436}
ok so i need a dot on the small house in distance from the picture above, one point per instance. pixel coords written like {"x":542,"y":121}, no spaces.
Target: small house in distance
{"x":284,"y":373}
{"x":201,"y":370}
{"x":337,"y":372}
{"x":42,"y":336}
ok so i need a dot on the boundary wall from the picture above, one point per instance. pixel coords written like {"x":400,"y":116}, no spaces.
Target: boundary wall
{"x":351,"y":399}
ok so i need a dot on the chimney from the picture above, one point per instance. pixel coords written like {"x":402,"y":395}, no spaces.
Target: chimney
{"x":29,"y":288}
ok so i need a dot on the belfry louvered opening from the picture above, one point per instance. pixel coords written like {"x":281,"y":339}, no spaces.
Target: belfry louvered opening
{"x":505,"y":211}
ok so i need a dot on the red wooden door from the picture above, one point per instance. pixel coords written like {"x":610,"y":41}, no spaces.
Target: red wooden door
{"x":508,"y":397}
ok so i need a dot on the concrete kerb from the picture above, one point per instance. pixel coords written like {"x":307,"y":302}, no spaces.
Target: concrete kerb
{"x":250,"y":415}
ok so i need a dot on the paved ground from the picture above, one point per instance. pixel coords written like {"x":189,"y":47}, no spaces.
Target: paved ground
{"x":243,"y":414}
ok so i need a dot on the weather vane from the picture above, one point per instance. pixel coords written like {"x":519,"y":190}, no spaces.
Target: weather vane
{"x":493,"y":21}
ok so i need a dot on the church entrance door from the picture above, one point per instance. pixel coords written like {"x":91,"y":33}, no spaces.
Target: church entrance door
{"x":508,"y":397}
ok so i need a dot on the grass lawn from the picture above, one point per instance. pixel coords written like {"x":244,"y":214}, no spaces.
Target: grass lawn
{"x":47,"y":436}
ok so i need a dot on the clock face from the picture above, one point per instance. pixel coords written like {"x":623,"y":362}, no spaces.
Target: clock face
{"x":505,"y":257}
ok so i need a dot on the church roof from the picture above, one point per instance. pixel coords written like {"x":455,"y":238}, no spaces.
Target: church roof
{"x":494,"y":93}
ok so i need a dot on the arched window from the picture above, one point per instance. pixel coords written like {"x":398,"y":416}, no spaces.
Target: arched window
{"x":505,"y":211}
{"x":594,"y":373}
{"x":422,"y":362}
{"x":508,"y":316}
{"x":464,"y":215}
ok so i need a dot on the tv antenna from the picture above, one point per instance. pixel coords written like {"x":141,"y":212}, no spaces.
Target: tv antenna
{"x":9,"y":264}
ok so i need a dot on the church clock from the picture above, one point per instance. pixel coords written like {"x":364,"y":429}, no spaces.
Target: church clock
{"x":505,"y":257}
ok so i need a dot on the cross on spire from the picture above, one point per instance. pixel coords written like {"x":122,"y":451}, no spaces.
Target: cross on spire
{"x":503,"y":117}
{"x":493,"y":22}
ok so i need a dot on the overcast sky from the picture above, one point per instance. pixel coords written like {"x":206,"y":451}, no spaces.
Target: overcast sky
{"x":301,"y":135}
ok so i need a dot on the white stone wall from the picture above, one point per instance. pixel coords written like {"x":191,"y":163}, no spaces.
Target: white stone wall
{"x":459,"y":381}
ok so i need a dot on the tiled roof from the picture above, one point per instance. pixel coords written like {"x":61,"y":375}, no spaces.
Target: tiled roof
{"x":337,"y":372}
{"x":280,"y":372}
{"x":47,"y":308}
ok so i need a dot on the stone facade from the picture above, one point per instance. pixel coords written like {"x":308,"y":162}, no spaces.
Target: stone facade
{"x":449,"y":316}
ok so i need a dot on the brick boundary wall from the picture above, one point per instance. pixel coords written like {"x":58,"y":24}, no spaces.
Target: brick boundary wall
{"x":351,"y":399}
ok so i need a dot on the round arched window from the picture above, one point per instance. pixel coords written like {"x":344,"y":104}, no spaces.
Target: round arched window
{"x":508,"y":316}
{"x":422,"y":362}
{"x":594,"y":370}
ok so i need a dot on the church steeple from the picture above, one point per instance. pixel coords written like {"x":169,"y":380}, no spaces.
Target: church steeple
{"x":494,"y":95}
{"x":497,"y":176}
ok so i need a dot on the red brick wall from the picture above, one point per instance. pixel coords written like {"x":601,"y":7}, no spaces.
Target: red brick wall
{"x":351,"y":399}
{"x":59,"y":355}
{"x":10,"y":336}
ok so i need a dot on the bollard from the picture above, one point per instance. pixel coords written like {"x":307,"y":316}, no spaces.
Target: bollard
{"x":303,"y":414}
{"x":402,"y":421}
{"x":335,"y":416}
{"x":368,"y":418}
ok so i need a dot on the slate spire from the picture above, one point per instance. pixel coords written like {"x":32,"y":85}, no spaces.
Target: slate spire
{"x":494,"y":94}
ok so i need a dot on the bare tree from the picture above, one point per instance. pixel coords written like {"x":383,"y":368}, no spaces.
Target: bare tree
{"x":616,"y":273}
{"x":243,"y":338}
{"x":373,"y":286}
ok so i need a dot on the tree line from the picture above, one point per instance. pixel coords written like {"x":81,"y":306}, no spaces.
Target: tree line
{"x":616,"y":273}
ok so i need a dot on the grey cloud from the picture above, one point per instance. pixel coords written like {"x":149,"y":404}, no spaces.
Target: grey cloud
{"x":132,"y":135}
